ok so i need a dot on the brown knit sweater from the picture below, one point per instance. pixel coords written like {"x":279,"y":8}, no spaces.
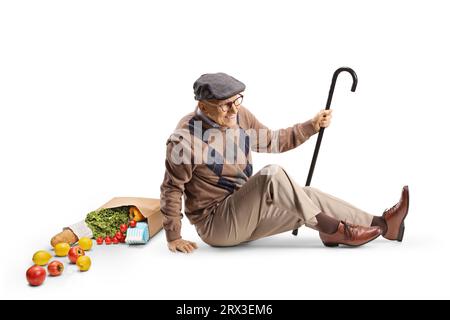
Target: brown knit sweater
{"x":206,"y":163}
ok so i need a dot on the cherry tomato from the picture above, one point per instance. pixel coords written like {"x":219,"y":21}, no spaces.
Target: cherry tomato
{"x":108,"y":240}
{"x":99,"y":240}
{"x":123,"y":228}
{"x":119,"y":235}
{"x":115,"y":240}
{"x":132,"y":224}
{"x":122,"y":240}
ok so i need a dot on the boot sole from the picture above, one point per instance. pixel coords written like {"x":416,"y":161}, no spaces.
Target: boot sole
{"x":401,"y":231}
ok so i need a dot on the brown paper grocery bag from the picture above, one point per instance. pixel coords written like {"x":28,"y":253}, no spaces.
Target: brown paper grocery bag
{"x":147,"y":206}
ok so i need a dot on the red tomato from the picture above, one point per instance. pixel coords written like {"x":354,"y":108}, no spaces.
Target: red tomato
{"x":132,"y":224}
{"x":123,"y":228}
{"x":108,"y":240}
{"x":119,"y":235}
{"x":36,"y":275}
{"x":55,"y":268}
{"x":99,"y":240}
{"x":115,"y":240}
{"x":122,"y":240}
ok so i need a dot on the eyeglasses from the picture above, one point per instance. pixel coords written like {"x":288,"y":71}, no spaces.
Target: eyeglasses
{"x":227,"y":106}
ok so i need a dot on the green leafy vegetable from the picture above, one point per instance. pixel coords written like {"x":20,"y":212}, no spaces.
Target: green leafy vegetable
{"x":105,"y":222}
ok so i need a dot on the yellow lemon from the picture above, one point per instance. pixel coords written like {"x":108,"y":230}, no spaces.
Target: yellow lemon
{"x":84,"y":263}
{"x":41,"y":257}
{"x":62,"y":249}
{"x":85,"y":243}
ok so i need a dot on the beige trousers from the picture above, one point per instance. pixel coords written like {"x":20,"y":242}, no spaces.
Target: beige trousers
{"x":271,"y":203}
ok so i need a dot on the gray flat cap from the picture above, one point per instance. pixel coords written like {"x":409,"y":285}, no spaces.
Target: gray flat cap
{"x":217,"y":86}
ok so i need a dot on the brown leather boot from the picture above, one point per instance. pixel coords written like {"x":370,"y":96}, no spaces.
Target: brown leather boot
{"x":395,"y":217}
{"x":350,"y":235}
{"x":64,"y":236}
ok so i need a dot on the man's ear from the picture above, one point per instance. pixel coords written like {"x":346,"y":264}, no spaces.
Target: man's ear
{"x":201,"y":106}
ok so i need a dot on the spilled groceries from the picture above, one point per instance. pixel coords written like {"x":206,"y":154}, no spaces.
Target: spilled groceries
{"x":122,"y":220}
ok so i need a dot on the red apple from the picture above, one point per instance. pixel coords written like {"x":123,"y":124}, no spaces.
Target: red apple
{"x":74,"y":253}
{"x":36,"y":275}
{"x":55,"y":268}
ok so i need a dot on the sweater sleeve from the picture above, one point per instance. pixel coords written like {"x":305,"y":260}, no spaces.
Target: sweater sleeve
{"x":172,"y":190}
{"x":266,"y":140}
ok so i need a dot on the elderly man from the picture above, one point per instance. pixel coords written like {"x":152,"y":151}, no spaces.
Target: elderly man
{"x":208,"y":161}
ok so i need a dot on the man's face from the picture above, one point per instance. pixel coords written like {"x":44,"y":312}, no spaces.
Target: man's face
{"x":223,"y":112}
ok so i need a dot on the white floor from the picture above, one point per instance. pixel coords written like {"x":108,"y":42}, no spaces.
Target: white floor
{"x":279,"y":267}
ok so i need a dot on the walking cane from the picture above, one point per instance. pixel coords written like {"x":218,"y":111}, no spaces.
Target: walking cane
{"x":322,"y":130}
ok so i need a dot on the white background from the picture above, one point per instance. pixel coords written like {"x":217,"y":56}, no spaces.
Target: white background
{"x":90,"y":90}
